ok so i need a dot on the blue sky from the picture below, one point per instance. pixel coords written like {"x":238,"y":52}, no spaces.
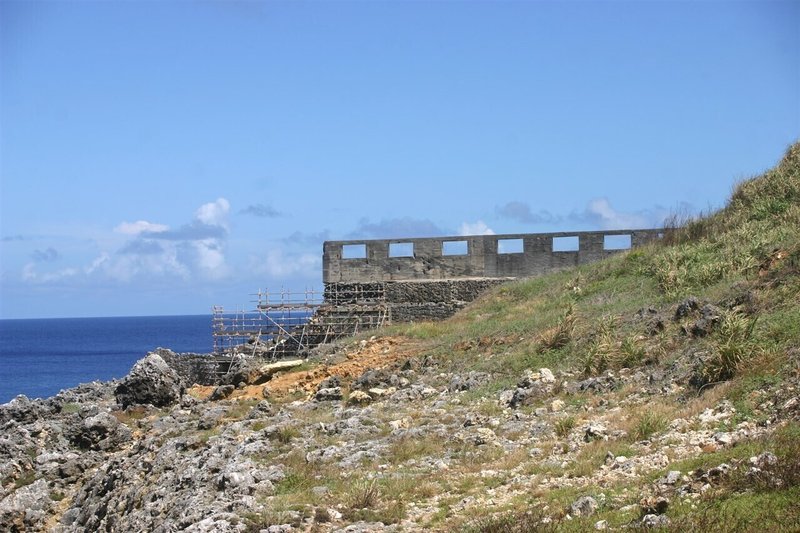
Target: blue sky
{"x":163,"y":157}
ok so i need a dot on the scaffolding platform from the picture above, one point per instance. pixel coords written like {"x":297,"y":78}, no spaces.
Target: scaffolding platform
{"x":287,"y":324}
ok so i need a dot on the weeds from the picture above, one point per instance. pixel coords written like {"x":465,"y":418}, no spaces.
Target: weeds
{"x":734,"y":346}
{"x":564,"y":425}
{"x":532,"y":520}
{"x":648,"y":425}
{"x":561,"y":334}
{"x":364,"y":495}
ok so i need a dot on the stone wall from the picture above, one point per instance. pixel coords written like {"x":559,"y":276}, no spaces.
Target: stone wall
{"x":407,"y":301}
{"x":484,"y":256}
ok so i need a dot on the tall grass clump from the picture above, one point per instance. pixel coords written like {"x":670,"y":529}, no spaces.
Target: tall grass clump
{"x":735,"y":345}
{"x":560,"y":335}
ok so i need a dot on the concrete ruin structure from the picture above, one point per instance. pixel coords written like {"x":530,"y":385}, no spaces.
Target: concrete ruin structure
{"x":369,"y":283}
{"x":432,"y":278}
{"x":483,"y":256}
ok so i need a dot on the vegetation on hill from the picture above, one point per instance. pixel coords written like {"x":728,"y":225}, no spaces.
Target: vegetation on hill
{"x":716,"y":303}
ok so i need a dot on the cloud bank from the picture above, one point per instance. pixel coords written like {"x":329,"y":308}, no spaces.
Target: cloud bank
{"x":193,"y":251}
{"x":598,"y":213}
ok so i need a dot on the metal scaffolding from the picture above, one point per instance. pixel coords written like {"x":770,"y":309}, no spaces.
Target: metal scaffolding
{"x":286,"y":323}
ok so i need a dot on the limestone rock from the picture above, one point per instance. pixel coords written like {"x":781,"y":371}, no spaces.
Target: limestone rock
{"x":583,"y":506}
{"x":150,"y":381}
{"x":221,"y":392}
{"x":266,"y":372}
{"x":358,"y":397}
{"x":328,"y":394}
{"x":99,"y":432}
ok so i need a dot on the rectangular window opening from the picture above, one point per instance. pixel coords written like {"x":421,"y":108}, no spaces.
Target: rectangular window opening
{"x":401,"y":249}
{"x":455,"y":248}
{"x":354,"y":251}
{"x":616,"y":242}
{"x":566,"y":244}
{"x":510,"y":246}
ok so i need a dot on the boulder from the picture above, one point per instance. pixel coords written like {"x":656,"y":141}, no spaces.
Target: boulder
{"x":359,"y":397}
{"x":686,"y":307}
{"x":221,"y":392}
{"x":150,"y":381}
{"x":99,"y":432}
{"x":595,"y":431}
{"x":583,"y":506}
{"x":328,"y":394}
{"x":264,"y":373}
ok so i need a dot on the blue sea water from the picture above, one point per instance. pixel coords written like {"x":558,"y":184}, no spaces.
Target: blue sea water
{"x":39,"y":357}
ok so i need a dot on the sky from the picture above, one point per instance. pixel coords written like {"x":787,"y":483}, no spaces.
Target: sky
{"x":160,"y":158}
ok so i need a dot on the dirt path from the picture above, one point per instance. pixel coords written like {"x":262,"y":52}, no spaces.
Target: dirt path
{"x":367,"y":355}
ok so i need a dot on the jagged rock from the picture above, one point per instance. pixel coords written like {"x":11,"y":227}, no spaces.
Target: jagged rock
{"x":686,"y":307}
{"x":150,"y":381}
{"x":723,"y":438}
{"x":546,"y":375}
{"x":557,"y":405}
{"x":22,"y":410}
{"x":484,"y":436}
{"x":99,"y":432}
{"x":241,"y":369}
{"x":328,"y":394}
{"x":672,"y":477}
{"x":595,"y":431}
{"x":376,"y":393}
{"x":221,"y":392}
{"x":594,"y":384}
{"x":358,"y":397}
{"x":583,"y":506}
{"x":710,"y":316}
{"x":764,"y":460}
{"x":208,"y":421}
{"x":468,"y":382}
{"x":654,"y":505}
{"x":330,"y":383}
{"x":25,"y":508}
{"x":261,"y":410}
{"x":655,"y":521}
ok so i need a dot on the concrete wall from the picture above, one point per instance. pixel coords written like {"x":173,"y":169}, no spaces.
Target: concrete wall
{"x":484,"y":258}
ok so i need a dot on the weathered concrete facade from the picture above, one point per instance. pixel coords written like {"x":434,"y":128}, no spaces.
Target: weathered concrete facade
{"x":484,"y":256}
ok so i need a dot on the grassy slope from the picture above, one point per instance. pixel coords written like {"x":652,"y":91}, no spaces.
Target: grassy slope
{"x":744,"y":258}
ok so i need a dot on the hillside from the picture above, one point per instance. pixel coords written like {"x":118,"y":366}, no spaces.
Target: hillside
{"x":659,"y":388}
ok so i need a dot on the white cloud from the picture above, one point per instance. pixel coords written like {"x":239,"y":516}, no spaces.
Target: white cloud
{"x":31,"y":275}
{"x":214,"y":213}
{"x":600,"y":212}
{"x":194,"y":251}
{"x":210,"y":258}
{"x":475,"y":228}
{"x":140,"y":226}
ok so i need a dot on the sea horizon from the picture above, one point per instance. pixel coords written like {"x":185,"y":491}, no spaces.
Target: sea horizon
{"x":42,"y":356}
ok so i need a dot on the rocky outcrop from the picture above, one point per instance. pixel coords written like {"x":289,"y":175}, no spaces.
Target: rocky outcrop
{"x":150,"y":381}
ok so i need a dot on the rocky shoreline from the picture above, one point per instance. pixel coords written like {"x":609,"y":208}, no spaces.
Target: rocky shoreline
{"x":147,"y":454}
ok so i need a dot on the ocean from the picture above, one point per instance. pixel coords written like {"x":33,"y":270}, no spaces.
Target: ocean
{"x":39,"y":357}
